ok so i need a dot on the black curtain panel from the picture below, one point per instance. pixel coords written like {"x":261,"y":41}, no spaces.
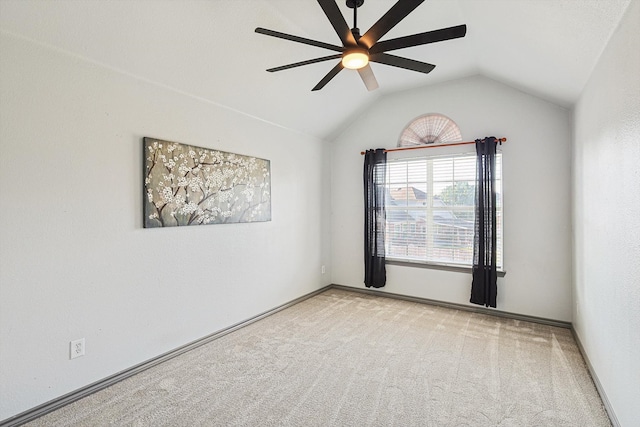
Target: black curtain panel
{"x":375,"y":165}
{"x":484,"y":284}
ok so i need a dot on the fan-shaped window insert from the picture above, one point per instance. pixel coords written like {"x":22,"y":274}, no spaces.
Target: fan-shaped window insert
{"x":430,"y":129}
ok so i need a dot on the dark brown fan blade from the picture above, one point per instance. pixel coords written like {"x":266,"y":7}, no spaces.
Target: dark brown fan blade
{"x":332,"y":11}
{"x":420,"y":39}
{"x":331,"y":74}
{"x":301,"y":63}
{"x":396,"y":14}
{"x":303,"y":40}
{"x":397,"y":61}
{"x":366,"y":74}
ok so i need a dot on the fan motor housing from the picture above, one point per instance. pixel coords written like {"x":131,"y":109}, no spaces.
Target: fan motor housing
{"x":354,"y":3}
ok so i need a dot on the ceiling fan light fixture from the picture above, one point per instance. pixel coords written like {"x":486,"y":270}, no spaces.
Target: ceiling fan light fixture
{"x":355,"y":59}
{"x":356,"y":52}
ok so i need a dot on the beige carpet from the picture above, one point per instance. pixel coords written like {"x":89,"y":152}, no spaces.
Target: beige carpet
{"x":348,"y":359}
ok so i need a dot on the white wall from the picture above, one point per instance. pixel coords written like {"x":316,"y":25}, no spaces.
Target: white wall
{"x":536,"y":161}
{"x":606,"y":215}
{"x":75,"y":261}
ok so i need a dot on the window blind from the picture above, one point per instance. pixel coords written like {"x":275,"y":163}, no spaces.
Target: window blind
{"x":430,"y":209}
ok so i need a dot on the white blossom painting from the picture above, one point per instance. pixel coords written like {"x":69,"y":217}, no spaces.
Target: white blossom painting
{"x":187,"y":185}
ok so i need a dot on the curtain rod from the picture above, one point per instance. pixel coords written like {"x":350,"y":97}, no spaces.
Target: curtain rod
{"x":420,"y":147}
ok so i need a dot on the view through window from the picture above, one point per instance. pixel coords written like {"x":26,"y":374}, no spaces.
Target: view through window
{"x":430,"y":209}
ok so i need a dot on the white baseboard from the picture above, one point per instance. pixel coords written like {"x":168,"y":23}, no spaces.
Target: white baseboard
{"x":455,"y":306}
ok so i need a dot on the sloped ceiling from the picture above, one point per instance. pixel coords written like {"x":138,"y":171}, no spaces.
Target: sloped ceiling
{"x":208,"y":49}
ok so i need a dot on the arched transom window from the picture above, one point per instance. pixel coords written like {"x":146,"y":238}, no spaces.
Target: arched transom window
{"x":430,"y":129}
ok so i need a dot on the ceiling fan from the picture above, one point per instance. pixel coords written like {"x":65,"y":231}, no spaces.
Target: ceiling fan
{"x":357,"y":51}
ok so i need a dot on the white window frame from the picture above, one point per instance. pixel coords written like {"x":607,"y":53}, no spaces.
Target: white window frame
{"x":429,"y":260}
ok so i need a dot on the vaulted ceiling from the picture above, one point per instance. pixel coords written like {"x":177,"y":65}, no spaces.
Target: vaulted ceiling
{"x":209,"y":50}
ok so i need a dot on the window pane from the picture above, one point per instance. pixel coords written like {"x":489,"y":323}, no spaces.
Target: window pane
{"x":442,"y":169}
{"x":465,"y":169}
{"x":396,"y":172}
{"x":406,"y":233}
{"x":417,"y":171}
{"x":398,"y":195}
{"x":457,"y":193}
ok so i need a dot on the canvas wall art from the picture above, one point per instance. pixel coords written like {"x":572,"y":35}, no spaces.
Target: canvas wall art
{"x":188,"y":185}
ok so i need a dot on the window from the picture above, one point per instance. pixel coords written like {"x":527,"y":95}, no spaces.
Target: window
{"x":429,"y":129}
{"x":430,"y":209}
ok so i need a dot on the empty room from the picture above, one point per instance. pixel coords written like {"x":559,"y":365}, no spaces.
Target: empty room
{"x":320,"y":213}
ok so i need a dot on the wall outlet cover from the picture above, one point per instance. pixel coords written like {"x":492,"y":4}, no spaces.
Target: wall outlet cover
{"x":76,"y":348}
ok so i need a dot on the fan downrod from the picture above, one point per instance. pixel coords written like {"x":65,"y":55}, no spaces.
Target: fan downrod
{"x":355,"y":4}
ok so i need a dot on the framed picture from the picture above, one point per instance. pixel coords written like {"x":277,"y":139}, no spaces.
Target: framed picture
{"x":188,"y":185}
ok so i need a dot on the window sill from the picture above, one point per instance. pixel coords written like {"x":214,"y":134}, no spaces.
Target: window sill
{"x":433,"y":266}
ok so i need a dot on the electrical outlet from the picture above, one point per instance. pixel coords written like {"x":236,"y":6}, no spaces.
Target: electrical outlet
{"x":324,"y":270}
{"x":76,"y":348}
